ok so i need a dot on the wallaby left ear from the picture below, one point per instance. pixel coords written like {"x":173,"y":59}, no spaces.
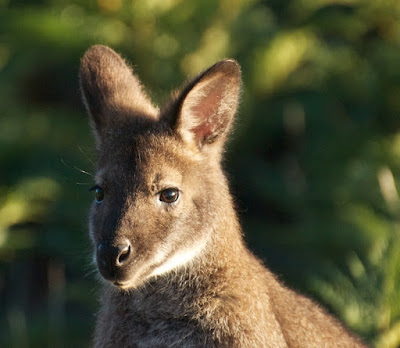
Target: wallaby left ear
{"x":207,"y":106}
{"x":111,"y":91}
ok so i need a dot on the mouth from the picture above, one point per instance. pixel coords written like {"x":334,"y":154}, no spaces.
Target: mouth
{"x":124,"y":279}
{"x":120,"y":285}
{"x":116,"y":280}
{"x":129,"y":282}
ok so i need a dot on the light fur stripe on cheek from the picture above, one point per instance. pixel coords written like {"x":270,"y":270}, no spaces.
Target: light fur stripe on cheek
{"x":180,"y":258}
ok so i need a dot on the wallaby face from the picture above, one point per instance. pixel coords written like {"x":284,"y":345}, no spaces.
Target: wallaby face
{"x":158,"y":183}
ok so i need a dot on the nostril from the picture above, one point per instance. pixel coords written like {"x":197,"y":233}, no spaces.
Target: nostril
{"x":109,"y":256}
{"x":125,"y":251}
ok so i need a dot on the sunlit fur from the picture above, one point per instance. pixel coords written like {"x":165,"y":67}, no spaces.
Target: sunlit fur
{"x":189,"y":280}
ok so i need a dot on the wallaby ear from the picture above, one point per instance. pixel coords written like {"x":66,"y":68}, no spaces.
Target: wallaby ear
{"x":207,"y":106}
{"x":110,"y":90}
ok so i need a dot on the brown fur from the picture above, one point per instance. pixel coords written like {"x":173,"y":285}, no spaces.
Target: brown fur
{"x":178,"y":274}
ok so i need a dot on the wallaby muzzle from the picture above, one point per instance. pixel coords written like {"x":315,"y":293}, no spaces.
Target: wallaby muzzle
{"x":112,"y":260}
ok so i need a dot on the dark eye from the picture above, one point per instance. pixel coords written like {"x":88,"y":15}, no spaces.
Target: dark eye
{"x":99,"y":193}
{"x":169,"y":195}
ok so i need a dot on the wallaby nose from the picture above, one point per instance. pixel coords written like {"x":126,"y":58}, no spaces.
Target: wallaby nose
{"x":110,"y":258}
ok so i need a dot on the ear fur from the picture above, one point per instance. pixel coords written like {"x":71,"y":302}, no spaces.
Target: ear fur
{"x":110,"y":90}
{"x":205,"y":109}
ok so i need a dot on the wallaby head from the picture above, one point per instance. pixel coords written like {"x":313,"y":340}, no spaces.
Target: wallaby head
{"x":160,"y":190}
{"x":163,"y":216}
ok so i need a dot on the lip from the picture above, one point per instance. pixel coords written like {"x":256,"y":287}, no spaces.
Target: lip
{"x":121,"y":285}
{"x":130,"y":280}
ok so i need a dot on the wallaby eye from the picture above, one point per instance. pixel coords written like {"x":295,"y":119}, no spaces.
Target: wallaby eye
{"x":169,"y":195}
{"x":99,"y":193}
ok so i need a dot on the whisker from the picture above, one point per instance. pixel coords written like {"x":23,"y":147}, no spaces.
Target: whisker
{"x":84,"y":153}
{"x":65,"y":163}
{"x":83,"y":171}
{"x":75,"y":167}
{"x":89,"y":273}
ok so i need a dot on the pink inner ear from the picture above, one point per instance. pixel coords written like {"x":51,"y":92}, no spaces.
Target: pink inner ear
{"x":206,"y":113}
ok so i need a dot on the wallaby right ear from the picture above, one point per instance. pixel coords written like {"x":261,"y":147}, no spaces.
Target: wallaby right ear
{"x":110,"y":90}
{"x":205,"y":109}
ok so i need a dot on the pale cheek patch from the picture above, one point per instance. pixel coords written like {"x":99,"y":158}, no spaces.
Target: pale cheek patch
{"x":180,"y":258}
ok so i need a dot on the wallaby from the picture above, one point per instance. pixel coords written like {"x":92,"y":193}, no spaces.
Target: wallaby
{"x":165,"y":232}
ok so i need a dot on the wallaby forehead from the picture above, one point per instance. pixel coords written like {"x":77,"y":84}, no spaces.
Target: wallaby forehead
{"x":143,"y":157}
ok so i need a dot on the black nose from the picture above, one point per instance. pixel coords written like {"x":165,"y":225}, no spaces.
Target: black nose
{"x":111,"y":258}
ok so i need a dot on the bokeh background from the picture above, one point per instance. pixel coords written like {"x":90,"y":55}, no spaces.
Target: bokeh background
{"x":314,"y":162}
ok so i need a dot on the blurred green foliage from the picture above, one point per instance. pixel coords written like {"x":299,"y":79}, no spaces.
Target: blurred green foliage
{"x":314,"y":161}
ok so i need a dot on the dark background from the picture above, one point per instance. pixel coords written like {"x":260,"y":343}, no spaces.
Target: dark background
{"x":314,"y":161}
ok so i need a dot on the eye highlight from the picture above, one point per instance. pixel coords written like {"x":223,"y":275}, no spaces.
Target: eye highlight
{"x":99,"y":193}
{"x":169,"y":195}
